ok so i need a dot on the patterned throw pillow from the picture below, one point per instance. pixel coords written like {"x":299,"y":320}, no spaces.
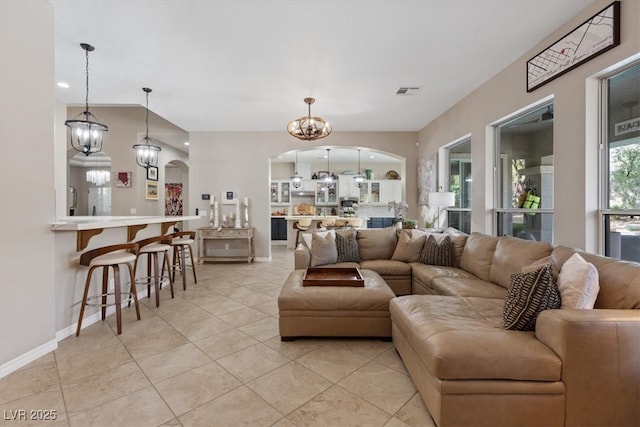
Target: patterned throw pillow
{"x":347,"y":247}
{"x":437,"y":253}
{"x":528,"y":295}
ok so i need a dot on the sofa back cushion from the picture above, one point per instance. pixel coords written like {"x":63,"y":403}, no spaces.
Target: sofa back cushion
{"x":619,"y":280}
{"x":458,"y":240}
{"x":409,"y":246}
{"x":378,"y":243}
{"x":512,"y":254}
{"x":477,"y":254}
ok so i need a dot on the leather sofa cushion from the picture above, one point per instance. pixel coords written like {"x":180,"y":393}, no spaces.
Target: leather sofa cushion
{"x":468,"y":288}
{"x":512,"y":254}
{"x":619,"y":280}
{"x":426,"y":273}
{"x":463,"y":339}
{"x":387,"y":267}
{"x":477,"y":254}
{"x":379,"y":243}
{"x":458,"y":241}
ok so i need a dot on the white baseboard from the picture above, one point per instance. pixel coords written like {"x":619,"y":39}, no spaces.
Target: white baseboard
{"x":30,"y":356}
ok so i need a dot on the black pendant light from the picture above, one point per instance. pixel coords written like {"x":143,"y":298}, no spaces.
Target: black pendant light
{"x":86,"y":136}
{"x":147,"y":153}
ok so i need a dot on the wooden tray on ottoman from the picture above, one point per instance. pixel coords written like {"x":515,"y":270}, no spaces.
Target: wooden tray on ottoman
{"x":328,"y":276}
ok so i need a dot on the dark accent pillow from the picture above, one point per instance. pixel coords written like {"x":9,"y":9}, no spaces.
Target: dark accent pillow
{"x":347,"y":246}
{"x":528,"y":295}
{"x":437,"y":253}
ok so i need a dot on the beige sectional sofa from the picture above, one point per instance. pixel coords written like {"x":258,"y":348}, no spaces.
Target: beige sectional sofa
{"x":580,"y":367}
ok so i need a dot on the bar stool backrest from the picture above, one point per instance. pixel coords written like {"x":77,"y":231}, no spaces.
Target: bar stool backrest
{"x":86,"y":257}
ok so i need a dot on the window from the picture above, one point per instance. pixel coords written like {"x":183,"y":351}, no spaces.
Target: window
{"x":524,"y":178}
{"x":460,"y":184}
{"x":621,"y":163}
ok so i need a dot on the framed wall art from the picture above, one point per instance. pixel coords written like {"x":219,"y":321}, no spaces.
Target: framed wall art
{"x":151,"y":192}
{"x":593,"y":37}
{"x":123,"y":179}
{"x":152,"y":173}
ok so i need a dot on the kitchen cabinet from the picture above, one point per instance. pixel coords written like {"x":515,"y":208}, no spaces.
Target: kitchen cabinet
{"x":380,"y":192}
{"x":280,"y":192}
{"x":347,"y":187}
{"x":278,"y":229}
{"x":326,"y":196}
{"x":379,"y":222}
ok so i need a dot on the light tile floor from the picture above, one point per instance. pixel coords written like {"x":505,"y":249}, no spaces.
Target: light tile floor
{"x":213,"y":357}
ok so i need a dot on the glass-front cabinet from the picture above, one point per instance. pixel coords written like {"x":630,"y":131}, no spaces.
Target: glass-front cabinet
{"x":380,"y":192}
{"x":280,"y":192}
{"x":326,"y":195}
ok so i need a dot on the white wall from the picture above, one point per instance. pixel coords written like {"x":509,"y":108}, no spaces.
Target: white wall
{"x":575,"y":130}
{"x":240,"y":162}
{"x":27,"y":180}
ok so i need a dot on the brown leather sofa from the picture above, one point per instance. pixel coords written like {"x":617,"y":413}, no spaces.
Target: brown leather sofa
{"x":579,"y":367}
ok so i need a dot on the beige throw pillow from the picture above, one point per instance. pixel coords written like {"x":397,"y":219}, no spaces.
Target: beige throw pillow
{"x":578,"y":283}
{"x":308,"y":237}
{"x":323,"y":249}
{"x":409,"y":247}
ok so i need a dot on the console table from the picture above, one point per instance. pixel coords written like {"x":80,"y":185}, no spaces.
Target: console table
{"x":225,"y":244}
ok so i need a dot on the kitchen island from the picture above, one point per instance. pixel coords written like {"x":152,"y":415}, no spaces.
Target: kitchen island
{"x":356,"y":222}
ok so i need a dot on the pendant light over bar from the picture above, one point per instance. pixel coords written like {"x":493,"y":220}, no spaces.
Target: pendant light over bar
{"x":147,"y":153}
{"x":358,"y":179}
{"x":86,"y":136}
{"x":309,"y":128}
{"x":296,"y":179}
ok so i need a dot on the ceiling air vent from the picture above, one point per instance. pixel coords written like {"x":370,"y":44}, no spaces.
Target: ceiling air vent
{"x":408,"y":90}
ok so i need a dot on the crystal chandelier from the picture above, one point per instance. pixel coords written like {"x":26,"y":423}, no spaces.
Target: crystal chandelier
{"x":358,"y":179}
{"x":147,"y":153}
{"x":86,"y":135}
{"x":98,"y":177}
{"x":296,"y":179}
{"x":309,"y":128}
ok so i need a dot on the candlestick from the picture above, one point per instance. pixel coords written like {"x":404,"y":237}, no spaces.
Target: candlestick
{"x":215,"y":223}
{"x":237,"y":219}
{"x":246,"y":212}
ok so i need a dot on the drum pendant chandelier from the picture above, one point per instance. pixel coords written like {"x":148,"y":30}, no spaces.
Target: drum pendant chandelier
{"x":309,"y":128}
{"x":85,"y":135}
{"x":147,"y":153}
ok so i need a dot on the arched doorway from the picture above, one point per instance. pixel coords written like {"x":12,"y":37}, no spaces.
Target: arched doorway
{"x":176,"y":188}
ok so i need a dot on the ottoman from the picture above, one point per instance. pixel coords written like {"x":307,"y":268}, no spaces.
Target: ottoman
{"x":335,"y":311}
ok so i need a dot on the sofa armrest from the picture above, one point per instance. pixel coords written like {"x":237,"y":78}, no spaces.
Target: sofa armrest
{"x":302,"y":257}
{"x":600,"y":353}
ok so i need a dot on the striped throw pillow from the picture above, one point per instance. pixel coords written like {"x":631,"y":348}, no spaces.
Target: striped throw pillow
{"x":437,"y":253}
{"x":347,"y":247}
{"x":528,"y":295}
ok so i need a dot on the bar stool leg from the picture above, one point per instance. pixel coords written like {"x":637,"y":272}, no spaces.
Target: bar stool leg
{"x":133,"y":290}
{"x":183,"y":266}
{"x":193,"y":267}
{"x":87,"y":283}
{"x":105,"y":289}
{"x":156,"y":277}
{"x":116,"y":291}
{"x":165,"y":262}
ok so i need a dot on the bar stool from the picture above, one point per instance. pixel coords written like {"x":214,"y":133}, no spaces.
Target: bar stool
{"x":180,"y":241}
{"x":152,"y":247}
{"x":302,"y":224}
{"x":105,"y":257}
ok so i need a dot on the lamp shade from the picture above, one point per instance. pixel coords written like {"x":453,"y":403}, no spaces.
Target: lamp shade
{"x":442,"y":199}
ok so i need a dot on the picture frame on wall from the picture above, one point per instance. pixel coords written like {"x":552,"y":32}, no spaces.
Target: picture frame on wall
{"x":593,"y":37}
{"x":123,"y":179}
{"x":152,"y":173}
{"x":151,"y":192}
